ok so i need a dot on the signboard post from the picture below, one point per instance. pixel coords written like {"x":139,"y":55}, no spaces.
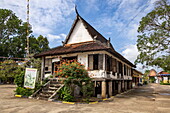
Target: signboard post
{"x":30,"y":78}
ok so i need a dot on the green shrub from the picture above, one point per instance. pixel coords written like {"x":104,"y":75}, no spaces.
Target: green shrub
{"x":152,"y":79}
{"x":24,"y":91}
{"x":87,"y":90}
{"x":65,"y":94}
{"x":8,"y":70}
{"x":38,"y":85}
{"x":145,"y":82}
{"x":19,"y":79}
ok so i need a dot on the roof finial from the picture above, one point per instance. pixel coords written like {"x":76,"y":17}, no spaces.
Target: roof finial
{"x":76,"y":10}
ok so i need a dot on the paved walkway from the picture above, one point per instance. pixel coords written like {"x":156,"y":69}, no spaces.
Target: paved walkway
{"x":153,"y":98}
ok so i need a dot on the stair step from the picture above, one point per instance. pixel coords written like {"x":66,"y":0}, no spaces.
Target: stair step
{"x":53,"y":82}
{"x":48,"y":91}
{"x":53,"y":88}
{"x":55,"y":85}
{"x":56,"y":81}
{"x":45,"y":95}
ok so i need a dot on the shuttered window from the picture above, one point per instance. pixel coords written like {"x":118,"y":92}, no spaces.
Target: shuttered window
{"x":90,"y":62}
{"x":114,"y":65}
{"x":101,"y":61}
{"x":95,"y":62}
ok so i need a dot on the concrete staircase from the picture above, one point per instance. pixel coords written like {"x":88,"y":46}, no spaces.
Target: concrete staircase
{"x":49,"y":90}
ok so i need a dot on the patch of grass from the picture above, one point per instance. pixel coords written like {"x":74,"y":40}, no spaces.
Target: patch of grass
{"x":164,"y":83}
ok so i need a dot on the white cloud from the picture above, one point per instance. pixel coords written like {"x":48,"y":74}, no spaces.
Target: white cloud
{"x":56,"y":37}
{"x":130,"y":52}
{"x":132,"y":33}
{"x":124,"y":21}
{"x":45,"y":15}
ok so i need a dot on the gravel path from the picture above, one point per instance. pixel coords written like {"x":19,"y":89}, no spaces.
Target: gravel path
{"x":153,"y":98}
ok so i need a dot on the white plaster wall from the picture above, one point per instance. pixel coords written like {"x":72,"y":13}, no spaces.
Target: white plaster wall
{"x":83,"y":59}
{"x":79,"y":34}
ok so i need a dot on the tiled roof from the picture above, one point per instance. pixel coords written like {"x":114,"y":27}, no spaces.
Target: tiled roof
{"x":83,"y":47}
{"x":162,"y":72}
{"x":93,"y":46}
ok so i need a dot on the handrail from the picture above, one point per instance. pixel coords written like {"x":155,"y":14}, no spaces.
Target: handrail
{"x":33,"y":95}
{"x":55,"y":92}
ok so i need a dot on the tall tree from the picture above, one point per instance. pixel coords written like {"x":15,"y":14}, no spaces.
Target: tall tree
{"x":43,"y":43}
{"x":39,"y":44}
{"x":13,"y":36}
{"x":154,"y":40}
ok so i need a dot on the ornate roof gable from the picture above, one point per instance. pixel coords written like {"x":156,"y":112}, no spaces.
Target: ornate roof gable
{"x":82,"y":31}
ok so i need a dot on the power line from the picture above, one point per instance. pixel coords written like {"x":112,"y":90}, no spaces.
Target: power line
{"x":133,"y":19}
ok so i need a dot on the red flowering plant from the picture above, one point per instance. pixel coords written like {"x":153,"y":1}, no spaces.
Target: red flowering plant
{"x":71,"y":69}
{"x":74,"y":73}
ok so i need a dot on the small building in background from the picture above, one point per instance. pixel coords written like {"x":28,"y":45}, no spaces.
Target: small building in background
{"x":153,"y":76}
{"x":164,"y":77}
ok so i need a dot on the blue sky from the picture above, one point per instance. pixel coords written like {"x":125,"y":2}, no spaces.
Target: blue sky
{"x":117,"y":19}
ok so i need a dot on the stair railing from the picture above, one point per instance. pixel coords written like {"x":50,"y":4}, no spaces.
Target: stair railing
{"x":54,"y":94}
{"x":35,"y":93}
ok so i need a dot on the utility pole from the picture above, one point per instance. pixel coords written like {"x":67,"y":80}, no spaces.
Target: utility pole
{"x":27,"y":33}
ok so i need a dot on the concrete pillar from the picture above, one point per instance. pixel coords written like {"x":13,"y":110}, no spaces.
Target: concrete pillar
{"x":130,"y":84}
{"x":94,"y":92}
{"x":103,"y":89}
{"x":119,"y":87}
{"x":110,"y":88}
{"x":125,"y":85}
{"x":114,"y":86}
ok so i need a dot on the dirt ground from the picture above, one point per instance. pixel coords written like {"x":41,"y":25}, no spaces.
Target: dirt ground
{"x":153,"y":98}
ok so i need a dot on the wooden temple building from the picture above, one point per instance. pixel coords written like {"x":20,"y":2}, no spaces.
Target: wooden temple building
{"x":111,"y":72}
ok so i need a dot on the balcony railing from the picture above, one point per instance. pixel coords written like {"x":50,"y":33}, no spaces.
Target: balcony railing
{"x":104,"y":74}
{"x":113,"y":76}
